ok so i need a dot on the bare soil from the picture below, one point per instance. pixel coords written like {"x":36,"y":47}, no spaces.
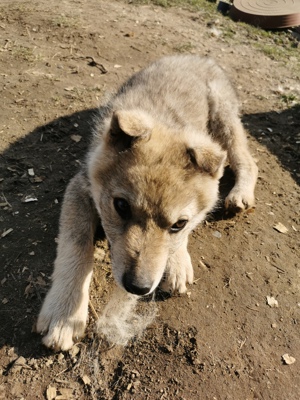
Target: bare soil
{"x":222,"y":341}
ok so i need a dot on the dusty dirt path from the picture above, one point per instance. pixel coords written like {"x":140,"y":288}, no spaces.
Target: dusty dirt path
{"x":222,"y":341}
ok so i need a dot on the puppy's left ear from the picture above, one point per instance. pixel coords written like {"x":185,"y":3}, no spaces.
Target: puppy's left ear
{"x":208,"y":160}
{"x":127,"y":126}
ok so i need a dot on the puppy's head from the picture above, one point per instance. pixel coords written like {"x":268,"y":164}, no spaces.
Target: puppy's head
{"x":151,"y":187}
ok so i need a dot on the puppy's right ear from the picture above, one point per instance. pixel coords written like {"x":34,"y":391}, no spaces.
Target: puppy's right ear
{"x":128,"y":126}
{"x":209,"y":159}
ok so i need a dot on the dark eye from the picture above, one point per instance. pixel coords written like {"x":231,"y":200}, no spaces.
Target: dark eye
{"x":122,"y":207}
{"x":180,"y":224}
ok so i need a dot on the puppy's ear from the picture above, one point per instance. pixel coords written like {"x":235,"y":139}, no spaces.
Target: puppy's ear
{"x":128,"y":126}
{"x":208,"y":160}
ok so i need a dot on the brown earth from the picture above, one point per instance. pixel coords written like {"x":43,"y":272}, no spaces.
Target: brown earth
{"x":222,"y":340}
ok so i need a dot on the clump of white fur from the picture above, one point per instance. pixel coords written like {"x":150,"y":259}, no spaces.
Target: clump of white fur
{"x":122,"y":318}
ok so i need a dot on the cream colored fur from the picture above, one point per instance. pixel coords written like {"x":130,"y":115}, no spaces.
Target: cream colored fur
{"x":151,"y":175}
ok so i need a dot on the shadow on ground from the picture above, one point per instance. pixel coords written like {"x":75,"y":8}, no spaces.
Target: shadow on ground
{"x":280,"y":133}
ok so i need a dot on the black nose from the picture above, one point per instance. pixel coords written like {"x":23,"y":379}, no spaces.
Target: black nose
{"x":131,"y":288}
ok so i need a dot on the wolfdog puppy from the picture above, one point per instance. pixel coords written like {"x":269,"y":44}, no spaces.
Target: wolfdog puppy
{"x":151,"y":176}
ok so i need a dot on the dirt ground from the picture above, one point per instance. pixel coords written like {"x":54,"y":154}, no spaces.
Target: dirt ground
{"x":222,"y":341}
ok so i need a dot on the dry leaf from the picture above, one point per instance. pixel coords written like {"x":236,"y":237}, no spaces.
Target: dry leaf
{"x":51,"y":393}
{"x":272,"y":302}
{"x":280,"y":228}
{"x":288,"y":359}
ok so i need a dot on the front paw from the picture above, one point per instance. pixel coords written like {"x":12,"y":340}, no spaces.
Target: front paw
{"x":60,"y":324}
{"x":239,"y":200}
{"x":179,"y":271}
{"x":61,"y":333}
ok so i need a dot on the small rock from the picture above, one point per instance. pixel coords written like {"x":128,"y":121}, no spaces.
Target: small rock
{"x":136,"y":384}
{"x":20,"y":361}
{"x":29,"y":198}
{"x":33,"y":363}
{"x":76,"y":138}
{"x":11,"y":353}
{"x":217,"y":234}
{"x":86,"y":380}
{"x":7,"y":232}
{"x":16,"y":390}
{"x":288,"y":360}
{"x":64,"y":394}
{"x":215,"y":32}
{"x":51,"y":393}
{"x":48,"y":363}
{"x":74,"y":351}
{"x":99,"y":254}
{"x":16,"y":369}
{"x":272,"y":302}
{"x":60,"y":357}
{"x":168,"y":348}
